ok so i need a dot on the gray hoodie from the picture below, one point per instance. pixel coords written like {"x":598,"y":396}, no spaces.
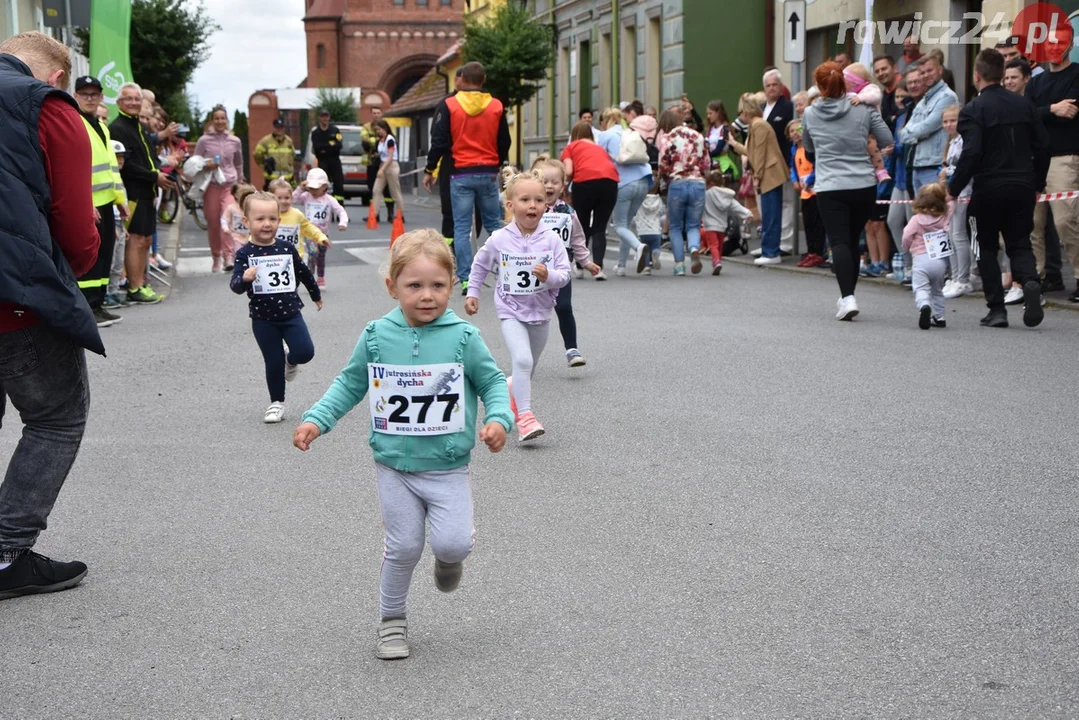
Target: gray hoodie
{"x":838,"y":133}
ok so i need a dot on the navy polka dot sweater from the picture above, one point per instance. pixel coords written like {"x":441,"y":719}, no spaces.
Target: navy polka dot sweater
{"x":273,"y":305}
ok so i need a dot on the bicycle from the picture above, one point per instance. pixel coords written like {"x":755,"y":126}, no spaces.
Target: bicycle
{"x":169,"y":208}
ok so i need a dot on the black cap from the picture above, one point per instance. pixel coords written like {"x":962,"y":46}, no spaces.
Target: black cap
{"x":87,"y":81}
{"x":279,"y":123}
{"x":323,"y":111}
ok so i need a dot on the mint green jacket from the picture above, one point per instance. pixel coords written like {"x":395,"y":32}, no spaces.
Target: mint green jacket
{"x":391,"y":340}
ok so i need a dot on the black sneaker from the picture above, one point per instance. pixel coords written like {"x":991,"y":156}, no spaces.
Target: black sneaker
{"x":1032,"y":301}
{"x":110,"y":316}
{"x":103,"y":318}
{"x":925,"y":316}
{"x":448,"y":575}
{"x":907,"y":282}
{"x":940,"y":322}
{"x":996,"y":319}
{"x":1074,"y":297}
{"x":1053,"y":284}
{"x":31,"y":573}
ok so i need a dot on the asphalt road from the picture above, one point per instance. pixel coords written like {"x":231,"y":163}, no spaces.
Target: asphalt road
{"x":742,"y":508}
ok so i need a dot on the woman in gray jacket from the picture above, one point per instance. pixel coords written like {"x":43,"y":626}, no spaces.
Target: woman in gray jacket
{"x":835,"y":135}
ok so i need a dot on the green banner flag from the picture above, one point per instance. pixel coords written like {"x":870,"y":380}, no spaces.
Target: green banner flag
{"x":110,"y":33}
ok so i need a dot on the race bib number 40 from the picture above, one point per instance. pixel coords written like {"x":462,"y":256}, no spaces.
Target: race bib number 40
{"x":318,"y":213}
{"x":515,"y":273}
{"x":561,"y":224}
{"x":937,"y":244}
{"x":417,"y":400}
{"x":289,"y":234}
{"x":275,"y":274}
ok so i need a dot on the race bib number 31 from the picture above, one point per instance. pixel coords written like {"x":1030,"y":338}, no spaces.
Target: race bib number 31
{"x":417,"y":399}
{"x":275,"y":274}
{"x":515,"y":273}
{"x":937,"y":244}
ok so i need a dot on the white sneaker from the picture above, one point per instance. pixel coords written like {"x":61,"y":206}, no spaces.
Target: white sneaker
{"x":755,"y":253}
{"x":291,"y":371}
{"x":847,"y":308}
{"x":162,"y":262}
{"x":600,"y":275}
{"x":619,"y":271}
{"x":275,"y":413}
{"x":768,"y":260}
{"x":1014,"y":296}
{"x":656,"y":265}
{"x":642,"y":257}
{"x":579,"y":272}
{"x":646,"y":271}
{"x":958,"y":290}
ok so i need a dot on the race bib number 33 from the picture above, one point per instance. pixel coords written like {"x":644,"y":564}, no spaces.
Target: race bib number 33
{"x":275,"y":274}
{"x":417,"y":399}
{"x":515,"y":273}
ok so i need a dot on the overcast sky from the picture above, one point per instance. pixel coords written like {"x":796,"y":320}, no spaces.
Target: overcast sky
{"x":260,"y":45}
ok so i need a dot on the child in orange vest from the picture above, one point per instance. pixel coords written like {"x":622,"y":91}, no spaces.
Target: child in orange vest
{"x":803,"y":177}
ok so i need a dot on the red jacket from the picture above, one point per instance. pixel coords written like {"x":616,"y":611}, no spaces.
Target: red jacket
{"x":471,"y":128}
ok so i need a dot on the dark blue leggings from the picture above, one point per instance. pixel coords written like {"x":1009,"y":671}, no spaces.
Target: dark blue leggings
{"x":567,"y":324}
{"x":269,"y":334}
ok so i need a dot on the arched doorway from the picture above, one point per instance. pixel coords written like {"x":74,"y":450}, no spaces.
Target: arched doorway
{"x":405,"y":73}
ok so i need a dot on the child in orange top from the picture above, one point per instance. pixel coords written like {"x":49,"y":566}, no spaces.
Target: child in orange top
{"x":803,"y":177}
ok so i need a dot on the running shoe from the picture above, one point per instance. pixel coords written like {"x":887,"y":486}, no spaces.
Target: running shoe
{"x":145,"y":295}
{"x":291,"y":371}
{"x":275,"y":413}
{"x":695,"y":262}
{"x":619,"y":271}
{"x":104,"y":319}
{"x":847,"y":308}
{"x":574,"y":358}
{"x":600,"y":276}
{"x":529,"y":427}
{"x":464,"y":288}
{"x":762,"y":260}
{"x":679,"y":269}
{"x":392,"y":643}
{"x":115,"y":300}
{"x":31,"y":573}
{"x":958,"y":289}
{"x":165,"y":264}
{"x":642,"y":258}
{"x":925,"y":316}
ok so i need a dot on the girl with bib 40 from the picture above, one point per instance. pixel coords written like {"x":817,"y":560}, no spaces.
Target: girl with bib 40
{"x":321,"y":208}
{"x":532,"y":265}
{"x":424,"y":368}
{"x":267,"y":269}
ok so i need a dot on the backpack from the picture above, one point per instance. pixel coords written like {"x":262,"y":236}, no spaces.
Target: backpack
{"x":653,"y":155}
{"x":632,"y":149}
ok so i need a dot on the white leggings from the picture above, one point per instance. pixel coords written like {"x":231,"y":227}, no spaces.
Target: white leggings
{"x":525,"y":342}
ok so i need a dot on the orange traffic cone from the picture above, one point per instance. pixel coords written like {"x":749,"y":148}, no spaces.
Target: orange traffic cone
{"x":398,"y":227}
{"x":372,"y":218}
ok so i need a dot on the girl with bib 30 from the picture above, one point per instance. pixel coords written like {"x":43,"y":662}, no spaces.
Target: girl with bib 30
{"x":267,"y":270}
{"x":532,"y":265}
{"x":424,"y":368}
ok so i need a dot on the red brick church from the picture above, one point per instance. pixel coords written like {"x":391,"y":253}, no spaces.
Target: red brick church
{"x":381,"y":46}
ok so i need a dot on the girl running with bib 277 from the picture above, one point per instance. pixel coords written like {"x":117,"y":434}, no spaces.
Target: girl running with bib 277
{"x":423,"y":368}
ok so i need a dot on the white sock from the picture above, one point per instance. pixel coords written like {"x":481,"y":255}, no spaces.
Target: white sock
{"x":3,"y":565}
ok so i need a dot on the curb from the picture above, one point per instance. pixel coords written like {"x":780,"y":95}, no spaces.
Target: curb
{"x":747,"y":260}
{"x":171,"y":249}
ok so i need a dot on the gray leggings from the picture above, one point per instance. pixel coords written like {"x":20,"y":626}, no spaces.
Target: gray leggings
{"x":960,"y":234}
{"x":407,"y":500}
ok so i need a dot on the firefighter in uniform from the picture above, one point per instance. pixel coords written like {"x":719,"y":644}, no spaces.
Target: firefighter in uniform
{"x":369,"y":138}
{"x":276,"y":154}
{"x":326,"y":145}
{"x":107,"y":189}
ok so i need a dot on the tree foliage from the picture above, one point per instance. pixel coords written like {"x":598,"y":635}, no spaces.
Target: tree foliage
{"x":341,"y":104}
{"x":239,"y":123}
{"x":515,"y":49}
{"x":169,"y":41}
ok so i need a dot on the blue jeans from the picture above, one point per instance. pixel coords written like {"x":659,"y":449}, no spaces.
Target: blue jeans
{"x":924,"y":176}
{"x":269,"y":334}
{"x":466,"y":193}
{"x":771,"y":221}
{"x":44,"y":374}
{"x":653,"y":242}
{"x":630,"y":198}
{"x":685,"y":208}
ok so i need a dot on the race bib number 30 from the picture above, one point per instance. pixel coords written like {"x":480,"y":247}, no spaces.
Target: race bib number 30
{"x":289,"y":234}
{"x":560,"y":224}
{"x":318,"y":213}
{"x":275,"y":274}
{"x":417,"y":400}
{"x":515,"y":273}
{"x":937,"y":244}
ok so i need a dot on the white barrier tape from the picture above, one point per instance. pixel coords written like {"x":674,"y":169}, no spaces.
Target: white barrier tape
{"x":1050,"y":197}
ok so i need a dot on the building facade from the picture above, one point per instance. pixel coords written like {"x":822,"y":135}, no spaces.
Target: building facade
{"x":382,"y":46}
{"x":610,"y":51}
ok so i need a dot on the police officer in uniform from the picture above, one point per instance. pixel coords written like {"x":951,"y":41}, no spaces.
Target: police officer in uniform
{"x":326,"y":145}
{"x":107,"y":189}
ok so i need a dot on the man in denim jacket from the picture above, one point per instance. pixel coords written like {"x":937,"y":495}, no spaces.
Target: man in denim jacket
{"x":925,"y":129}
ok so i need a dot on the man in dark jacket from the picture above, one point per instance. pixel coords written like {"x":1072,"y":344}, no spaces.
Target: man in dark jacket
{"x":1005,"y":153}
{"x":47,"y":237}
{"x":141,"y":180}
{"x":472,"y":126}
{"x":326,"y":145}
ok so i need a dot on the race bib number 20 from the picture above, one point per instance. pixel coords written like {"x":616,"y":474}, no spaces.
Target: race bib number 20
{"x":417,"y":399}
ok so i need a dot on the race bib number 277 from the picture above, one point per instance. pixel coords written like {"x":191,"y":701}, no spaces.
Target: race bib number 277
{"x":417,"y":399}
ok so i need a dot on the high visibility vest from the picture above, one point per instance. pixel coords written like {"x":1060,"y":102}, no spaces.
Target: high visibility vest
{"x":105,"y":183}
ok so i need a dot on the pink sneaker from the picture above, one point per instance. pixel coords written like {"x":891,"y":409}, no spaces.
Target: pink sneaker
{"x":883,"y":176}
{"x":529,"y":427}
{"x":217,"y":264}
{"x":322,"y":282}
{"x":513,"y":403}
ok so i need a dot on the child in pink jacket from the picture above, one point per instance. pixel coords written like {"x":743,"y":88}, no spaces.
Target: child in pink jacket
{"x":926,"y":238}
{"x":313,"y":199}
{"x":532,"y":265}
{"x":862,"y":91}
